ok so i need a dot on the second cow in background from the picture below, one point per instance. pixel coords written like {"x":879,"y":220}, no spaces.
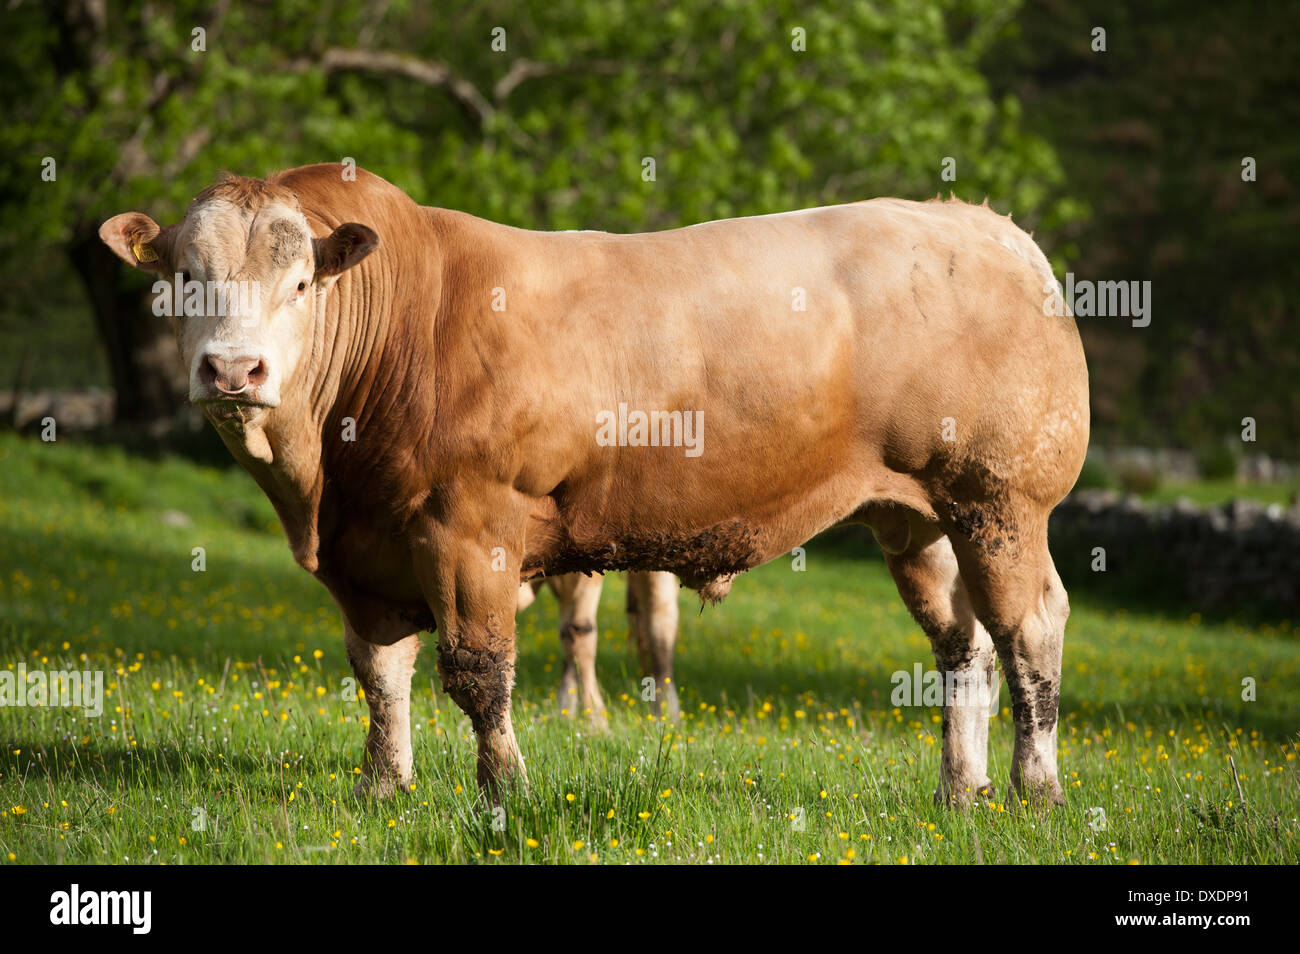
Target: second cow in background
{"x":652,"y":624}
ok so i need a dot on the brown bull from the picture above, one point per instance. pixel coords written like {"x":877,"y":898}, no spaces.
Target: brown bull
{"x":440,"y":407}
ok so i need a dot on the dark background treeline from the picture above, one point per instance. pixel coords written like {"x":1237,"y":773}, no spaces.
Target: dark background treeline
{"x":1151,"y":136}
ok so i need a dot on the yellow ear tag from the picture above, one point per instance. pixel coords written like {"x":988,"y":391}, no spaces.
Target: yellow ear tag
{"x":144,"y":253}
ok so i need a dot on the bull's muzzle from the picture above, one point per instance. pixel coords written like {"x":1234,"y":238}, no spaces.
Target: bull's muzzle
{"x":227,"y":378}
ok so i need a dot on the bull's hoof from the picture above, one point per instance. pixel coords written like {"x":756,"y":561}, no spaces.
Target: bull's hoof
{"x":568,"y":699}
{"x":384,"y":786}
{"x":963,"y":796}
{"x":1036,"y":795}
{"x":665,"y":706}
{"x":597,"y":717}
{"x":497,"y":786}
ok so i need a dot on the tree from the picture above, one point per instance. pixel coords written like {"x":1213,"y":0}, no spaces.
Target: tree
{"x":572,"y":115}
{"x":1153,"y":134}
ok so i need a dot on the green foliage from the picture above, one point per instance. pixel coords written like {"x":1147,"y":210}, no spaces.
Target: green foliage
{"x":1152,"y":134}
{"x":737,"y":120}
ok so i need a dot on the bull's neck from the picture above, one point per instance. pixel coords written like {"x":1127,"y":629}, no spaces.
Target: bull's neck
{"x":356,"y":374}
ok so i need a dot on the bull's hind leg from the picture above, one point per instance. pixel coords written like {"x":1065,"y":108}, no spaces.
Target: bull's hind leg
{"x":384,"y":672}
{"x":652,"y":618}
{"x":1018,"y":596}
{"x":927,"y":579}
{"x":579,"y":598}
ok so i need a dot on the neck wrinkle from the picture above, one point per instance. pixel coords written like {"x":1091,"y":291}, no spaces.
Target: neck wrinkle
{"x":310,"y":418}
{"x":367,"y":362}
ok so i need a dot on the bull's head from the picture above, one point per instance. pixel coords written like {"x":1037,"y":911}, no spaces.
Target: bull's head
{"x":243,"y":282}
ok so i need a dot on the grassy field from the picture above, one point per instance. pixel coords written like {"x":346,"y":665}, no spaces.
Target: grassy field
{"x":1208,"y":493}
{"x":230,"y":735}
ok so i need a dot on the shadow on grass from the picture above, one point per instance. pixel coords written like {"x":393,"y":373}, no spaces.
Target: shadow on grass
{"x":151,"y":765}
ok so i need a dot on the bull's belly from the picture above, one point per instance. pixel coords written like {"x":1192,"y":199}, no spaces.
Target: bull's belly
{"x":710,"y":537}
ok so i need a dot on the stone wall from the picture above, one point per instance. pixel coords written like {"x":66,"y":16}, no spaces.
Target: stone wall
{"x":1180,"y":465}
{"x":1238,"y":554}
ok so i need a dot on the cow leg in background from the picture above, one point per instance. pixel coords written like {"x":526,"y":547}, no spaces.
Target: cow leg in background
{"x":527,"y":594}
{"x":579,"y":597}
{"x":652,"y":619}
{"x":1018,"y":596}
{"x":474,"y":606}
{"x":385,"y":674}
{"x":927,"y":579}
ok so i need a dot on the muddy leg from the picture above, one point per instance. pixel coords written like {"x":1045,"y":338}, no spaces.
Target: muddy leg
{"x":927,"y":579}
{"x":1018,"y":596}
{"x":385,"y":674}
{"x":652,"y":618}
{"x":474,"y":606}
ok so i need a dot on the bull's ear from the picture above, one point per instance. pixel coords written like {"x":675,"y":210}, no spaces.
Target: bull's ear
{"x":344,"y":247}
{"x":135,"y":239}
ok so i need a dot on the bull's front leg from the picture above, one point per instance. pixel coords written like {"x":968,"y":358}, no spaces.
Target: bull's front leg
{"x":472,"y":587}
{"x":384,"y":672}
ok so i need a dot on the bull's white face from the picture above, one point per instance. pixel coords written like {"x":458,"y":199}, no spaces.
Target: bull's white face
{"x":242,"y":288}
{"x":250,"y":278}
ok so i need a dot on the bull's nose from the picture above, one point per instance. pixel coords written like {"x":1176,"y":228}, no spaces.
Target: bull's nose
{"x":233,"y":376}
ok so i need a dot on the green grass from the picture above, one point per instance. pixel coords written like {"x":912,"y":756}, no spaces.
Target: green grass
{"x":1208,"y":493}
{"x":228,"y":702}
